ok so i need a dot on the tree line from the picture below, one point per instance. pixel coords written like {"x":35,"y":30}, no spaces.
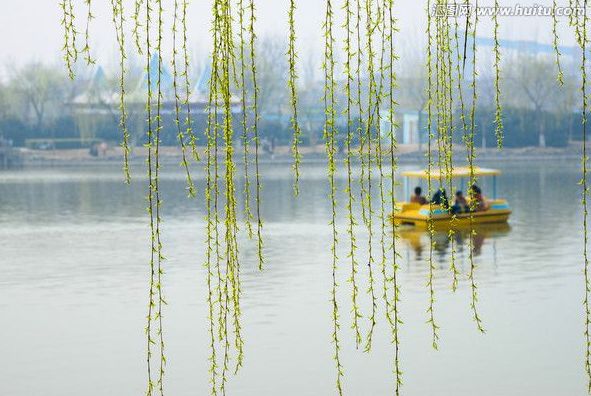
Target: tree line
{"x":39,"y":101}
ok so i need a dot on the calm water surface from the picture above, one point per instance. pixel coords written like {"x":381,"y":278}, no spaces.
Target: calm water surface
{"x":73,"y":292}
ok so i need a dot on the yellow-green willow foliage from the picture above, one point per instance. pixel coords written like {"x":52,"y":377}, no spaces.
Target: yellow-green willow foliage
{"x":392,"y":313}
{"x":369,"y":30}
{"x":369,"y":27}
{"x":69,"y":48}
{"x":355,"y":311}
{"x":371,"y":121}
{"x":245,"y":141}
{"x":559,"y":74}
{"x":331,"y":150}
{"x":86,"y":49}
{"x":444,"y":90}
{"x":431,"y":264}
{"x":580,"y":24}
{"x":227,"y":269}
{"x":118,"y":21}
{"x":292,"y":84}
{"x":497,"y":67}
{"x":471,"y":157}
{"x":255,"y":111}
{"x":177,"y":95}
{"x":155,"y":301}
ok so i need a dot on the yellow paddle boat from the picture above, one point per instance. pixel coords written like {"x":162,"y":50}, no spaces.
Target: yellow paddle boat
{"x":415,"y":214}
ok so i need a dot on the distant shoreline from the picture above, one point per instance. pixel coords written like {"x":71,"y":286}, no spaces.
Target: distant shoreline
{"x":171,"y":155}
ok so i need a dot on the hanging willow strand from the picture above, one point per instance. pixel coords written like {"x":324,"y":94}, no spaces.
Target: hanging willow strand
{"x":232,"y":262}
{"x":216,"y":97}
{"x":245,"y":141}
{"x":187,"y":100}
{"x":137,"y":24}
{"x":395,"y":316}
{"x":471,"y":156}
{"x":559,"y":73}
{"x":293,"y":95}
{"x":212,"y":240}
{"x":497,"y":66}
{"x":86,"y":49}
{"x":330,"y":137}
{"x":445,"y":122}
{"x":214,"y":102}
{"x":177,"y":103}
{"x":69,"y":48}
{"x":151,"y":203}
{"x":255,"y":109}
{"x":453,"y":268}
{"x":158,"y":204}
{"x":372,"y":94}
{"x":360,"y":123}
{"x":450,"y":136}
{"x":430,"y":262}
{"x":355,"y":311}
{"x":384,"y":72}
{"x":582,"y":41}
{"x":388,"y":78}
{"x":118,"y":22}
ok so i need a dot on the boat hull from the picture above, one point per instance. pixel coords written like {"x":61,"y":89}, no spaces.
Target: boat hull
{"x":420,"y":216}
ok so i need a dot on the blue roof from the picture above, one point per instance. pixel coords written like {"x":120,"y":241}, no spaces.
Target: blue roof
{"x":165,"y":76}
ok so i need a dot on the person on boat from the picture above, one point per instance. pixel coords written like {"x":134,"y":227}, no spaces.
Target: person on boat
{"x":440,"y":198}
{"x":460,"y":204}
{"x":479,"y":203}
{"x":418,"y":197}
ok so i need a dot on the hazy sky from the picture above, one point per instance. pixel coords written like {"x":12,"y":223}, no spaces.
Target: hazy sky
{"x":31,"y":29}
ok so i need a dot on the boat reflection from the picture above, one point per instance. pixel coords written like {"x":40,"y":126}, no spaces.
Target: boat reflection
{"x":418,"y":239}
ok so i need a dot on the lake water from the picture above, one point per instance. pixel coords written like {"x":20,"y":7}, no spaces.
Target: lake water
{"x":74,"y":279}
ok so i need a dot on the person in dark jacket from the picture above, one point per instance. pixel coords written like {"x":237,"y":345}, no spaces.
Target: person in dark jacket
{"x":440,"y":198}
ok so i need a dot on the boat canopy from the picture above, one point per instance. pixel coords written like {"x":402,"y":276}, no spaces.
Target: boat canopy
{"x":458,"y":172}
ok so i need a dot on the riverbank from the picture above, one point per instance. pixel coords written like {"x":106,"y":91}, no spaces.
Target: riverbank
{"x":282,"y":154}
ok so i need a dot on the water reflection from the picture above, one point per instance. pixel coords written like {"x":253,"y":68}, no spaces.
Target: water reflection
{"x":74,"y":246}
{"x":418,"y":240}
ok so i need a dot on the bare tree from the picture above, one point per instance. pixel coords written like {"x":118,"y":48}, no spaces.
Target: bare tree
{"x":41,"y":91}
{"x":531,"y":85}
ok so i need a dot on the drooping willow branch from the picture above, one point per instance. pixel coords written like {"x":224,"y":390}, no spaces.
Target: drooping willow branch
{"x":430,"y":136}
{"x":118,"y":22}
{"x":245,"y":128}
{"x":471,"y":157}
{"x":330,"y":142}
{"x":86,"y":49}
{"x":151,"y":204}
{"x":188,"y":120}
{"x":497,"y":68}
{"x":255,"y":109}
{"x":360,"y":123}
{"x":137,"y":24}
{"x":177,"y":98}
{"x":69,"y":48}
{"x":383,"y":93}
{"x":393,"y":316}
{"x":559,"y":74}
{"x":459,"y":77}
{"x":292,"y":83}
{"x":355,"y":310}
{"x":212,"y":264}
{"x":370,"y":26}
{"x":158,"y":203}
{"x":581,"y":37}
